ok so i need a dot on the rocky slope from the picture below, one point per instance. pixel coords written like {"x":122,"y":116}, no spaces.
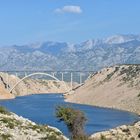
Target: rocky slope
{"x":114,"y":87}
{"x":4,"y":94}
{"x":29,"y":86}
{"x":130,"y":132}
{"x":13,"y":127}
{"x":92,"y":54}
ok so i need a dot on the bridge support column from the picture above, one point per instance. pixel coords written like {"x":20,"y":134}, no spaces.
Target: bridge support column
{"x":53,"y":74}
{"x":80,"y":78}
{"x":62,"y":76}
{"x":16,"y":77}
{"x":25,"y":74}
{"x":71,"y":81}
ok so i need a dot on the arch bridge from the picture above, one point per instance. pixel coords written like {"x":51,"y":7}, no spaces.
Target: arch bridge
{"x":59,"y":76}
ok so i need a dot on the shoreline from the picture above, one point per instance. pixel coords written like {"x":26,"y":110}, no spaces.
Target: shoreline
{"x":104,"y":131}
{"x":105,"y":107}
{"x":65,"y":99}
{"x":123,"y":132}
{"x":29,"y":95}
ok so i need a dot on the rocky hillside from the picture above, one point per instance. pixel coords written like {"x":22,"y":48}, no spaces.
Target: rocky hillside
{"x":130,"y":132}
{"x":92,"y":54}
{"x":115,"y":87}
{"x":29,"y":86}
{"x":4,"y":94}
{"x":13,"y":127}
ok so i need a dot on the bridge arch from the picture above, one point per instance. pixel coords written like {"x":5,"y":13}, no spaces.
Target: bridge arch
{"x":38,"y":73}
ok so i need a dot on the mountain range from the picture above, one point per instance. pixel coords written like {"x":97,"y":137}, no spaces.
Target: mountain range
{"x":90,"y":55}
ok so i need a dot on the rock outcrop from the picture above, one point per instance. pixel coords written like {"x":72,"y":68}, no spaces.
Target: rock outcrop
{"x":124,"y":132}
{"x":13,"y":127}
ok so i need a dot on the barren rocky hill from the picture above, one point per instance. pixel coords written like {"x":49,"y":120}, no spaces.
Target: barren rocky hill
{"x":114,"y":87}
{"x":29,"y":86}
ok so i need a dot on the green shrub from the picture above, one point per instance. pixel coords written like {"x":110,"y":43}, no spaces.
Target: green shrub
{"x":139,"y":95}
{"x":139,"y":135}
{"x":111,"y":74}
{"x":5,"y":136}
{"x":11,"y":123}
{"x":51,"y":137}
{"x":4,"y":111}
{"x":103,"y":137}
{"x":74,"y":119}
{"x":84,"y":137}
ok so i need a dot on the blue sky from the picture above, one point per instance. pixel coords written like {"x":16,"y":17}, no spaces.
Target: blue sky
{"x":28,"y":21}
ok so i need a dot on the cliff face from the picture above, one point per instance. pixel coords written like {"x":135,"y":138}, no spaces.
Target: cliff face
{"x":29,"y":86}
{"x":13,"y":127}
{"x":115,"y":87}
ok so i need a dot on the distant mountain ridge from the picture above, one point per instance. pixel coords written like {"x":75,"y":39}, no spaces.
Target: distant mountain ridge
{"x":88,"y":55}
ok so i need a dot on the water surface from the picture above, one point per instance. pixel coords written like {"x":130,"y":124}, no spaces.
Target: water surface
{"x":41,"y":109}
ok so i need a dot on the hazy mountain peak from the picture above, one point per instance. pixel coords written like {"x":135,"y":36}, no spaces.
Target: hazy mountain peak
{"x":88,"y":44}
{"x":89,"y":55}
{"x":70,"y":48}
{"x":117,"y":39}
{"x":35,"y":45}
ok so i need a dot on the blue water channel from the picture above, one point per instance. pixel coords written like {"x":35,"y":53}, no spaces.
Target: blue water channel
{"x":40,"y":108}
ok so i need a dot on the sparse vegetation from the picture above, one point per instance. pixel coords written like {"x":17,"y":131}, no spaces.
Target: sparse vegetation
{"x":131,"y":72}
{"x":4,"y":111}
{"x":51,"y":137}
{"x":43,"y":82}
{"x":11,"y":123}
{"x":37,"y":128}
{"x":132,"y":138}
{"x":139,"y":95}
{"x":116,"y":69}
{"x":5,"y":136}
{"x":56,"y":84}
{"x":139,"y":135}
{"x":111,"y":74}
{"x":75,"y":121}
{"x":103,"y":137}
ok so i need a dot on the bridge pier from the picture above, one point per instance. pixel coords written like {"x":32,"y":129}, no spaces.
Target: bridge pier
{"x":16,"y":76}
{"x":53,"y":74}
{"x":71,"y":81}
{"x":62,"y":76}
{"x":80,"y":78}
{"x":25,"y":74}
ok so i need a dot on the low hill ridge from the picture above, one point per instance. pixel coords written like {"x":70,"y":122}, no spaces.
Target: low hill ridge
{"x":114,"y":87}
